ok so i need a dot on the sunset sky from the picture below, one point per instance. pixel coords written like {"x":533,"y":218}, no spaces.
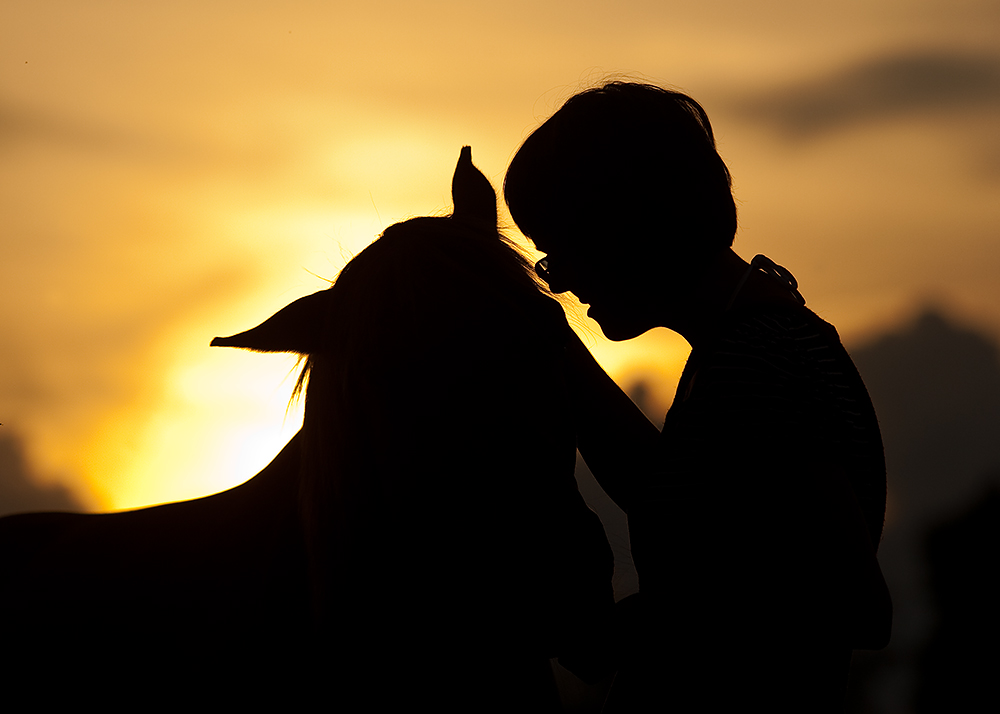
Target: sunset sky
{"x":174,"y":171}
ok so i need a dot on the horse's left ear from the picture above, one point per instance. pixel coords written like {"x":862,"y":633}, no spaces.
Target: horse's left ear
{"x":472,"y":193}
{"x":294,"y":328}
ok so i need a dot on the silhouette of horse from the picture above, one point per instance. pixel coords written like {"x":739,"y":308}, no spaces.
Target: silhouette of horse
{"x":420,"y":540}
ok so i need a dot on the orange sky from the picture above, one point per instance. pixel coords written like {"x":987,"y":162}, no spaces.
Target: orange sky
{"x":173,"y":171}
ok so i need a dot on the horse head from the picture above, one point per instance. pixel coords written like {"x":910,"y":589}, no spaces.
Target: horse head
{"x":418,"y":308}
{"x":427,"y":508}
{"x":296,"y":327}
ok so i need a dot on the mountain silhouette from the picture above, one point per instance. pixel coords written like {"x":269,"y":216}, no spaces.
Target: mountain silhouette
{"x":936,"y":387}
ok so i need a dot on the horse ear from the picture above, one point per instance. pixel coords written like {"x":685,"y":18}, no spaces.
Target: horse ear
{"x":294,"y":328}
{"x":472,"y":193}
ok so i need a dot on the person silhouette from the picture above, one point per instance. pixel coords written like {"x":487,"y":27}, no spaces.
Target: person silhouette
{"x":756,"y":513}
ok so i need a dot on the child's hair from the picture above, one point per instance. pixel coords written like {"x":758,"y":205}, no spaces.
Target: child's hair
{"x":627,"y":158}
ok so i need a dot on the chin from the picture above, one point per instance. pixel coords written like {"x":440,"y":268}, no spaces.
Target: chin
{"x":619,"y":331}
{"x":619,"y":325}
{"x":619,"y":335}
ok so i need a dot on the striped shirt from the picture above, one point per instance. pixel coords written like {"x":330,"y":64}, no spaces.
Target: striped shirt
{"x":774,"y":387}
{"x":737,"y":546}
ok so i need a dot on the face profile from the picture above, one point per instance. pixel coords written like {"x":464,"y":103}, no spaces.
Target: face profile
{"x":622,"y":184}
{"x":611,"y":280}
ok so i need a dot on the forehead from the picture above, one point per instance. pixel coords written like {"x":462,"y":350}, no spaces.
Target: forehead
{"x":545,"y":244}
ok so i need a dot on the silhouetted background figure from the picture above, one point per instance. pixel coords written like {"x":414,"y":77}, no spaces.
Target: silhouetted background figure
{"x":420,"y":543}
{"x":755,"y":515}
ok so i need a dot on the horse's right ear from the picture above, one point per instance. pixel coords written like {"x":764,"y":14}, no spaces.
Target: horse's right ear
{"x":294,"y":328}
{"x":472,"y":193}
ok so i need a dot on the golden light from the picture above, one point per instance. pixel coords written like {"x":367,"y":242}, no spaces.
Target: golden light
{"x":175,"y":171}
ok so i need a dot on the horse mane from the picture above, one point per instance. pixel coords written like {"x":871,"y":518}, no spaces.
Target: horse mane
{"x":415,"y":316}
{"x":436,"y":318}
{"x":423,"y":268}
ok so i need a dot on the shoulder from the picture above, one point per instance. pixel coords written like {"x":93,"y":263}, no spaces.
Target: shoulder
{"x":785,"y":371}
{"x":763,"y":349}
{"x":777,"y":370}
{"x":777,"y":333}
{"x":776,"y":348}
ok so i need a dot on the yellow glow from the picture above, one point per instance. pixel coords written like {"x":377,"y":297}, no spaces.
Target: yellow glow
{"x":175,"y":171}
{"x":222,"y":415}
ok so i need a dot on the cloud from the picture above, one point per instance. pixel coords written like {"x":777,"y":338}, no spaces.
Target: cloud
{"x":118,"y":140}
{"x":904,"y":84}
{"x":20,"y":124}
{"x":20,"y":490}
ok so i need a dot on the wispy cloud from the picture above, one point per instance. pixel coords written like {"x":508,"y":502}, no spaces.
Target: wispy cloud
{"x":20,"y":124}
{"x":887,"y":87}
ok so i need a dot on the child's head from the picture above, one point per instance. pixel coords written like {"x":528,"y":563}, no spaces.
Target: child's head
{"x":624,"y":159}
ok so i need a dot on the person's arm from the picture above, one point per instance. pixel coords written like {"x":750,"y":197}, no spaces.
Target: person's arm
{"x":865,"y":595}
{"x":618,"y":442}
